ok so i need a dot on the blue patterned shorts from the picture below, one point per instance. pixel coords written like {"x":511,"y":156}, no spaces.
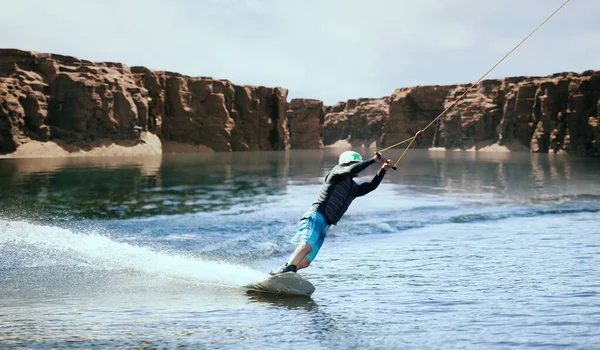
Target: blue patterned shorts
{"x":312,"y":229}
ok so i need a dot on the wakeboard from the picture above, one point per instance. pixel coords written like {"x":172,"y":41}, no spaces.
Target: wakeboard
{"x":288,"y":283}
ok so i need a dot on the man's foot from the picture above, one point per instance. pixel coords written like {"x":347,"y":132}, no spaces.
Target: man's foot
{"x":284,"y":268}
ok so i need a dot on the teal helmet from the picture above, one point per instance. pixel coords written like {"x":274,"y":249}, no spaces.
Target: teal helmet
{"x":349,"y":157}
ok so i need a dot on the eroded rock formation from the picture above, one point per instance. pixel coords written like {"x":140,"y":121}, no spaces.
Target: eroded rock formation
{"x":306,"y":118}
{"x":48,"y":97}
{"x":52,"y":97}
{"x":357,"y":121}
{"x":556,"y":114}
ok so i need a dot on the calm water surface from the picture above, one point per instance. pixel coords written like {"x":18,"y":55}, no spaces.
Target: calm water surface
{"x":453,"y":250}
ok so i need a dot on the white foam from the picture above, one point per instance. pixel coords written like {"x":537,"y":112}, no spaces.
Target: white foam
{"x":102,"y":252}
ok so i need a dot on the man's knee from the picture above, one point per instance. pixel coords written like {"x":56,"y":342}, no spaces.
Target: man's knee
{"x":305,"y":247}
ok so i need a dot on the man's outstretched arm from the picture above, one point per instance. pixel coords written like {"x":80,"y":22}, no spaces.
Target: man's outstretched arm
{"x":367,"y":187}
{"x":355,"y":168}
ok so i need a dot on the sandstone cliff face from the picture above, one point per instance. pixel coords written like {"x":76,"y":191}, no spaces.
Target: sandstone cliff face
{"x":215,"y":113}
{"x":555,"y":114}
{"x":411,"y":109}
{"x":52,"y":97}
{"x":46,"y":96}
{"x":306,"y":118}
{"x":357,"y":121}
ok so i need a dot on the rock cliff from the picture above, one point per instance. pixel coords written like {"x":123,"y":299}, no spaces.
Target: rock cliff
{"x":78,"y":103}
{"x":52,"y":97}
{"x":306,"y":118}
{"x":358,"y":121}
{"x":555,"y":114}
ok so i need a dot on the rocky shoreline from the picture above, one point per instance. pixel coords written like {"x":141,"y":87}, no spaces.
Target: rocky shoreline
{"x":54,"y":105}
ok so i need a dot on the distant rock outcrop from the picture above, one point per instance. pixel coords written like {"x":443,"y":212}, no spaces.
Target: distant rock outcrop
{"x":411,"y":109}
{"x":357,"y":121}
{"x":555,"y":114}
{"x":52,"y":97}
{"x":47,"y":97}
{"x":215,"y":113}
{"x":306,"y":118}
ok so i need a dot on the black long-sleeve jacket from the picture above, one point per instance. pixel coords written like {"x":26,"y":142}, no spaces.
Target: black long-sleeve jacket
{"x":339,"y":190}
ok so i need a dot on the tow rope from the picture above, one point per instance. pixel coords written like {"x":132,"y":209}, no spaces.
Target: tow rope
{"x":420,"y":132}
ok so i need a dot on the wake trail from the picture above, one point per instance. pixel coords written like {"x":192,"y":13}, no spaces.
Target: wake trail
{"x":36,"y":245}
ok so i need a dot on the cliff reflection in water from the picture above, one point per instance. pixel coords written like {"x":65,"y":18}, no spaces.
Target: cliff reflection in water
{"x":514,"y":175}
{"x":104,"y":188}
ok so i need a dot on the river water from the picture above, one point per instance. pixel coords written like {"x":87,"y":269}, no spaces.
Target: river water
{"x":454,"y":250}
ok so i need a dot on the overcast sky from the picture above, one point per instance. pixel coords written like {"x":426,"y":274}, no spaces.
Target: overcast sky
{"x":331,"y":50}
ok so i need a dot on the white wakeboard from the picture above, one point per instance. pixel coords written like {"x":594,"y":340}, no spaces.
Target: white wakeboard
{"x":288,"y":283}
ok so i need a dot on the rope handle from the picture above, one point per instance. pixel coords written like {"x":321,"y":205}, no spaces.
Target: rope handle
{"x":379,"y":156}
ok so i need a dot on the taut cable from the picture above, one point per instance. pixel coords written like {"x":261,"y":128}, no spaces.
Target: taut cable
{"x":420,"y":132}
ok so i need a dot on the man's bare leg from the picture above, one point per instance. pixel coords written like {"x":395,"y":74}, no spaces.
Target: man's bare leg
{"x":303,"y":264}
{"x":300,"y":254}
{"x":297,"y":261}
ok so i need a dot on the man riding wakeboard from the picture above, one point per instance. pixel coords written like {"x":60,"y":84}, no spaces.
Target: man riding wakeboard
{"x":337,"y":193}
